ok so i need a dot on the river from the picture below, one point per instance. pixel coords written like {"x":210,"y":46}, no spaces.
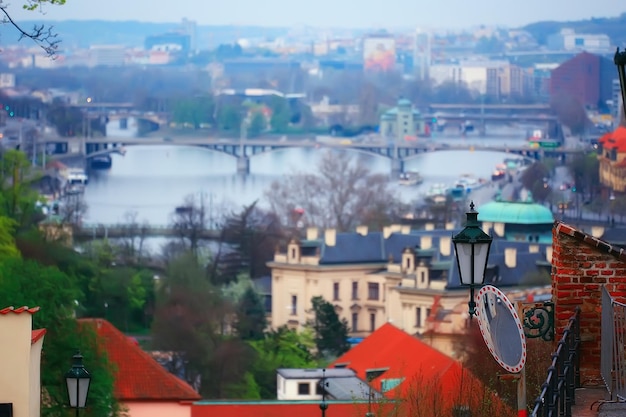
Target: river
{"x":153,"y":180}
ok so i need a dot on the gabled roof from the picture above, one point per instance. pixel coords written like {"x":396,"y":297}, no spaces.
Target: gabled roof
{"x":404,"y":356}
{"x":413,"y":371}
{"x":138,"y":376}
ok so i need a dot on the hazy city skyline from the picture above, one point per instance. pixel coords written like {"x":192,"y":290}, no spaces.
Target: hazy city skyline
{"x":329,"y":13}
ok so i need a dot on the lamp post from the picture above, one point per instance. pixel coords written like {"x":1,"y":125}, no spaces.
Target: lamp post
{"x":472,"y":246}
{"x":323,"y":385}
{"x":620,"y":61}
{"x":77,"y":380}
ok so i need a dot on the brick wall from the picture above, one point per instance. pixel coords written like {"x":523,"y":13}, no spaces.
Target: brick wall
{"x":581,"y":265}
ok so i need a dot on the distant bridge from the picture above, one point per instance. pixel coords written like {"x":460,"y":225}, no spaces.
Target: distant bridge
{"x":244,"y":149}
{"x":118,"y":231}
{"x":494,"y":108}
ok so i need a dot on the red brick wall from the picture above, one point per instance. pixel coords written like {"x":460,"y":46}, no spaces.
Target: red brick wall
{"x":581,"y":265}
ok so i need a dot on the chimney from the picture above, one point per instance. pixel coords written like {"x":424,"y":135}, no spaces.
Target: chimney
{"x":510,"y":257}
{"x":312,"y":233}
{"x":498,"y":229}
{"x":330,"y":237}
{"x":597,"y":231}
{"x":549,"y":254}
{"x":426,"y":242}
{"x":362,"y":230}
{"x":445,"y":245}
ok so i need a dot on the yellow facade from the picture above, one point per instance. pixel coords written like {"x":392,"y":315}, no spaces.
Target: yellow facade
{"x":365,"y":295}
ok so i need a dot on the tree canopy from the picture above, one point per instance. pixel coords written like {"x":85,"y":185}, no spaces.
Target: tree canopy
{"x":342,"y":194}
{"x":331,"y":333}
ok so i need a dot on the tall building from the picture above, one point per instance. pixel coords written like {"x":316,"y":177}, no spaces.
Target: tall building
{"x":190,"y":28}
{"x":586,"y":77}
{"x":422,"y":55}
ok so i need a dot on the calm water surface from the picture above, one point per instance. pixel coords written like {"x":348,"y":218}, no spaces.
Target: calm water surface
{"x":153,"y":180}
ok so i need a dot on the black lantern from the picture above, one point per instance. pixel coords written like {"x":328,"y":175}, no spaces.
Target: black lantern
{"x":620,"y":61}
{"x":77,"y":380}
{"x":472,"y":252}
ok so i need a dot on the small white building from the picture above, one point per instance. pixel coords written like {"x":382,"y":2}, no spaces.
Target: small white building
{"x":306,"y":385}
{"x":403,"y":122}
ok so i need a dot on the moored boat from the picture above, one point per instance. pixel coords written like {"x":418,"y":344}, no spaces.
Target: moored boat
{"x":410,"y":178}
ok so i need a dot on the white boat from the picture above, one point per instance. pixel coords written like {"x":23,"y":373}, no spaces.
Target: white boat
{"x":77,"y":176}
{"x":410,"y":178}
{"x":468,"y":183}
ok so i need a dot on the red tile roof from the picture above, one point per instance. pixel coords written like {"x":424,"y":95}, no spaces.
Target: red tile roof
{"x":416,"y":366}
{"x":141,"y":378}
{"x":36,"y":335}
{"x":19,"y":310}
{"x":615,"y":140}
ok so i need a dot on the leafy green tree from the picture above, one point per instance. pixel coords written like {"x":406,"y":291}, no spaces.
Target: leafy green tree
{"x":229,"y":118}
{"x":8,"y":248}
{"x":194,"y":111}
{"x":191,"y":319}
{"x":17,"y":197}
{"x":251,"y":316}
{"x":281,"y":114}
{"x":331,"y":333}
{"x":25,"y":282}
{"x":280,"y":348}
{"x":257,"y":124}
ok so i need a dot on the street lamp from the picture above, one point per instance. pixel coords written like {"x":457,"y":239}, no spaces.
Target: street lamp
{"x":323,"y":384}
{"x":77,"y":380}
{"x":472,"y":252}
{"x":620,"y":61}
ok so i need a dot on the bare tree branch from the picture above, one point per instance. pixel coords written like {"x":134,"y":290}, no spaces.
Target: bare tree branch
{"x":42,"y":35}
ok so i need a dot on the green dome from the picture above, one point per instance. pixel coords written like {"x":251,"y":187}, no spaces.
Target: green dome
{"x":515,"y":213}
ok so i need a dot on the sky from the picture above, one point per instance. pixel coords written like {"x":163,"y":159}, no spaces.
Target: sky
{"x":330,"y":13}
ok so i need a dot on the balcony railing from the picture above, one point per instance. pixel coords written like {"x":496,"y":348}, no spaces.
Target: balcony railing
{"x":558,"y":391}
{"x":613,"y":347}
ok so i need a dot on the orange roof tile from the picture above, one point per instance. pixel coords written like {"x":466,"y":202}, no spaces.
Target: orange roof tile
{"x":141,"y":377}
{"x":417,"y":367}
{"x":403,"y":355}
{"x":19,"y":310}
{"x":36,"y":335}
{"x":615,"y":140}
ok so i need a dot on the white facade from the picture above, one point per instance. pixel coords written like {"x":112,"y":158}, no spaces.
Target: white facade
{"x":122,"y":127}
{"x":107,"y":55}
{"x":304,"y":384}
{"x":569,"y":40}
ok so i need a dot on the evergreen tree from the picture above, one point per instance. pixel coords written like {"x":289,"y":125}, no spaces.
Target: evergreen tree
{"x":251,"y":318}
{"x":331,"y":333}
